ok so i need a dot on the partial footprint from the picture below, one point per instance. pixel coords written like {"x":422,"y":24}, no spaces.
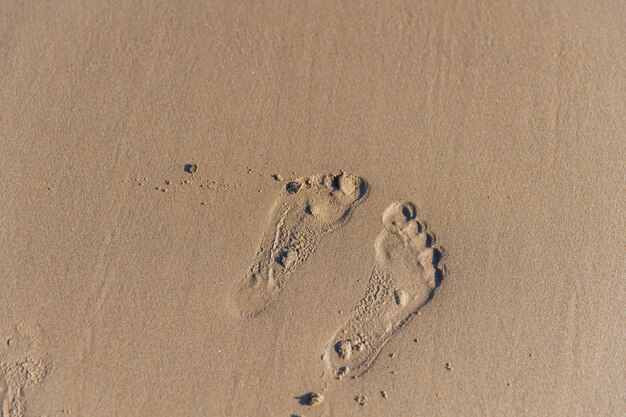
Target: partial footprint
{"x":306,"y":209}
{"x":22,"y":365}
{"x":403,"y":280}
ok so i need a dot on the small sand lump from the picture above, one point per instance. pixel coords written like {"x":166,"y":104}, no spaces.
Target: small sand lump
{"x":361,"y":400}
{"x":341,"y":372}
{"x":314,"y":399}
{"x":191,"y":168}
{"x":293,"y":187}
{"x":344,"y":349}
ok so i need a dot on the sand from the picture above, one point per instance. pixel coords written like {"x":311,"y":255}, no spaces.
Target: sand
{"x":399,"y":208}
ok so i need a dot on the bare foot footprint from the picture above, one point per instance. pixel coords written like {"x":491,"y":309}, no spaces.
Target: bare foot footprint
{"x":403,"y":280}
{"x":22,"y":365}
{"x":307,"y":208}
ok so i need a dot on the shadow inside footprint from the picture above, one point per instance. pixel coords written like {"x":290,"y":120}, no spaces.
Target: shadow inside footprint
{"x":437,"y":259}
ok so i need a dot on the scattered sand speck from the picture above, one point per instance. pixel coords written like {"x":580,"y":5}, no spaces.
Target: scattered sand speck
{"x":361,"y":400}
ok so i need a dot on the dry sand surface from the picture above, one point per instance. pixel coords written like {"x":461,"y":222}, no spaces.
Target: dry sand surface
{"x":316,"y":208}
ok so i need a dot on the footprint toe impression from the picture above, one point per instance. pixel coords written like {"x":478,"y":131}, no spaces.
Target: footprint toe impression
{"x":398,"y":216}
{"x":402,"y":281}
{"x":306,"y":209}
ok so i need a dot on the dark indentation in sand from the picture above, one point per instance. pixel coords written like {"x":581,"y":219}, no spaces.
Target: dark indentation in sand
{"x":281,"y":258}
{"x":437,"y":257}
{"x":293,"y":187}
{"x":191,"y":168}
{"x":310,"y":398}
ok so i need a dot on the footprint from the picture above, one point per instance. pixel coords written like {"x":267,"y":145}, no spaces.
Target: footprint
{"x":307,"y":208}
{"x":403,"y":279}
{"x":22,"y":365}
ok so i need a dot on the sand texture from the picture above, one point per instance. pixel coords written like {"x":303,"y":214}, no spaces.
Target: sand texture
{"x":316,"y":208}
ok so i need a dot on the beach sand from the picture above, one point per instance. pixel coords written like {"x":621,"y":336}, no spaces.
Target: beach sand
{"x":312,"y":208}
